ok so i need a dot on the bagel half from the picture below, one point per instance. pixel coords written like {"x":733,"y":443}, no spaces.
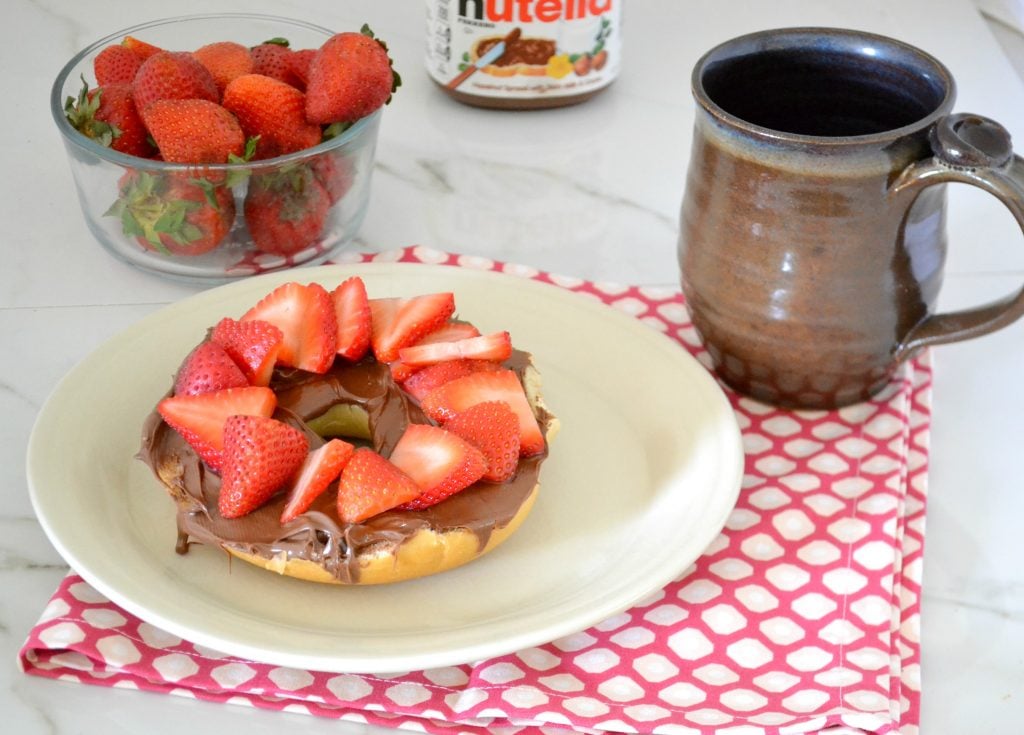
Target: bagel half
{"x":391,"y":547}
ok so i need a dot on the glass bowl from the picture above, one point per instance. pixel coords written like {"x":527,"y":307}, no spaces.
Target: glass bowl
{"x":106,"y":179}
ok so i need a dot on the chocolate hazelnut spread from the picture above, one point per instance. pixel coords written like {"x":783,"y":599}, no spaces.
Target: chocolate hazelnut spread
{"x":319,"y":535}
{"x":523,"y":54}
{"x":534,"y":51}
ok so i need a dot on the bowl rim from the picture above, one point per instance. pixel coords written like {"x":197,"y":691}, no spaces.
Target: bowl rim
{"x":75,"y":138}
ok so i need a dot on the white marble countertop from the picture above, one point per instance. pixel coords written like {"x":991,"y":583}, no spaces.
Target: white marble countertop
{"x":591,"y":191}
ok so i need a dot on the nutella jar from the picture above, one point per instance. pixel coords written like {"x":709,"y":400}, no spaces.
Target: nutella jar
{"x":523,"y":54}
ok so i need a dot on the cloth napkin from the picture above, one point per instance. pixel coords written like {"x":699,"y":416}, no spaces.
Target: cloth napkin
{"x":802,"y":615}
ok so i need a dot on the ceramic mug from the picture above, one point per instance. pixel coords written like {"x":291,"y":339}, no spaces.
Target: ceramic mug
{"x":812,"y":236}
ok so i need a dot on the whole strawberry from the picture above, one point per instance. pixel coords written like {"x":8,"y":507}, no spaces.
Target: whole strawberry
{"x":174,"y":214}
{"x":107,"y":114}
{"x":299,"y":63}
{"x":116,"y":65}
{"x":225,"y":60}
{"x":336,"y":171}
{"x":194,"y":131}
{"x":140,"y":48}
{"x":274,"y":112}
{"x":286,"y":210}
{"x":172,"y":75}
{"x":349,"y":77}
{"x":273,"y":59}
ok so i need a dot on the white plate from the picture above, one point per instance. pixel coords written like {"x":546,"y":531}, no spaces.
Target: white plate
{"x":640,"y":480}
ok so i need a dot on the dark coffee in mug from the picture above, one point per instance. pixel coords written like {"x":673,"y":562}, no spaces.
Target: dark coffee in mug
{"x":821,"y":92}
{"x":812,"y":238}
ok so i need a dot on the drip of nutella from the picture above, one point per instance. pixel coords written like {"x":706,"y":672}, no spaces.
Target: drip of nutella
{"x":319,"y":535}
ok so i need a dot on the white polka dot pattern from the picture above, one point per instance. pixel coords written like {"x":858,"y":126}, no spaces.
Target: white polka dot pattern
{"x":802,"y":615}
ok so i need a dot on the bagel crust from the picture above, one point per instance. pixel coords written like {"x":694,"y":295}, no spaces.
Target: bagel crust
{"x":425,"y":552}
{"x":317,"y":546}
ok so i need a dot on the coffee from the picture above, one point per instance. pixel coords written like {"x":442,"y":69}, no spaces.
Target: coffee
{"x":822,"y":93}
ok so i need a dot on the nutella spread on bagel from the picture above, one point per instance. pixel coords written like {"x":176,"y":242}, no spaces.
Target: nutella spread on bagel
{"x":417,"y":452}
{"x":523,"y":54}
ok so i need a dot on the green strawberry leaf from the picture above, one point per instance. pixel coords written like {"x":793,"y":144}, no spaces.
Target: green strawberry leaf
{"x":335,"y":129}
{"x":250,"y":149}
{"x":396,"y":79}
{"x":81,"y":114}
{"x":209,"y":191}
{"x":190,"y":232}
{"x":169,"y":222}
{"x":116,"y":209}
{"x":145,"y":184}
{"x":278,"y":41}
{"x":81,"y":110}
{"x":238,"y":175}
{"x":130,"y":225}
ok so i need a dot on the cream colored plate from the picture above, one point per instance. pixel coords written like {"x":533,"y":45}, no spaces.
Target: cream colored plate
{"x":640,"y":480}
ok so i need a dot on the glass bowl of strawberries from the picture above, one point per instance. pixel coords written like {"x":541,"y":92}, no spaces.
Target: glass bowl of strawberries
{"x":212,"y":147}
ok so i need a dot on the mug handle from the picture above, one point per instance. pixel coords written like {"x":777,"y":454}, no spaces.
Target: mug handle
{"x":975,"y":150}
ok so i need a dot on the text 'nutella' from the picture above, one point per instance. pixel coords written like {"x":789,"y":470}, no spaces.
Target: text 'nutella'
{"x":523,"y":54}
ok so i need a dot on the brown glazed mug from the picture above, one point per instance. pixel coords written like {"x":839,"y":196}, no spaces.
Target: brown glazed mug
{"x":812,"y":236}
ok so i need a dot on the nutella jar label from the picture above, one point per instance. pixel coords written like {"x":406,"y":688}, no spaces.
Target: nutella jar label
{"x":523,"y":49}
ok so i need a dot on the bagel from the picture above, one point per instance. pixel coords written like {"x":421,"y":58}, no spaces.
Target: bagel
{"x":360,"y":401}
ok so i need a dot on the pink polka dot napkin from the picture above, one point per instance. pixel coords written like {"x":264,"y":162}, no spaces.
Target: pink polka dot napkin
{"x":802,"y":615}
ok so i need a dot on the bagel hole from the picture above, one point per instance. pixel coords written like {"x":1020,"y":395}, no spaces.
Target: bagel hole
{"x":343,"y":420}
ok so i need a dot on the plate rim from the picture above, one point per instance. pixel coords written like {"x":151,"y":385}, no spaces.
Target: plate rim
{"x":381,"y":663}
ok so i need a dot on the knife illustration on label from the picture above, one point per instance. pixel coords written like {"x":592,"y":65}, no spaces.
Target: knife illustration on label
{"x":492,"y":56}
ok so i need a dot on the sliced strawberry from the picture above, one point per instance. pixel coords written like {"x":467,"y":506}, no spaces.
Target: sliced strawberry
{"x":448,"y":332}
{"x":497,"y":347}
{"x":439,"y":462}
{"x":423,"y":381}
{"x":441,"y":404}
{"x":305,"y":316}
{"x":253,"y":345}
{"x":398,"y":323}
{"x":200,"y":419}
{"x":492,"y":428}
{"x":370,"y":485}
{"x":352,"y":312}
{"x":383,"y":313}
{"x":321,"y":467}
{"x":208,"y":368}
{"x":260,"y":455}
{"x":400,"y":372}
